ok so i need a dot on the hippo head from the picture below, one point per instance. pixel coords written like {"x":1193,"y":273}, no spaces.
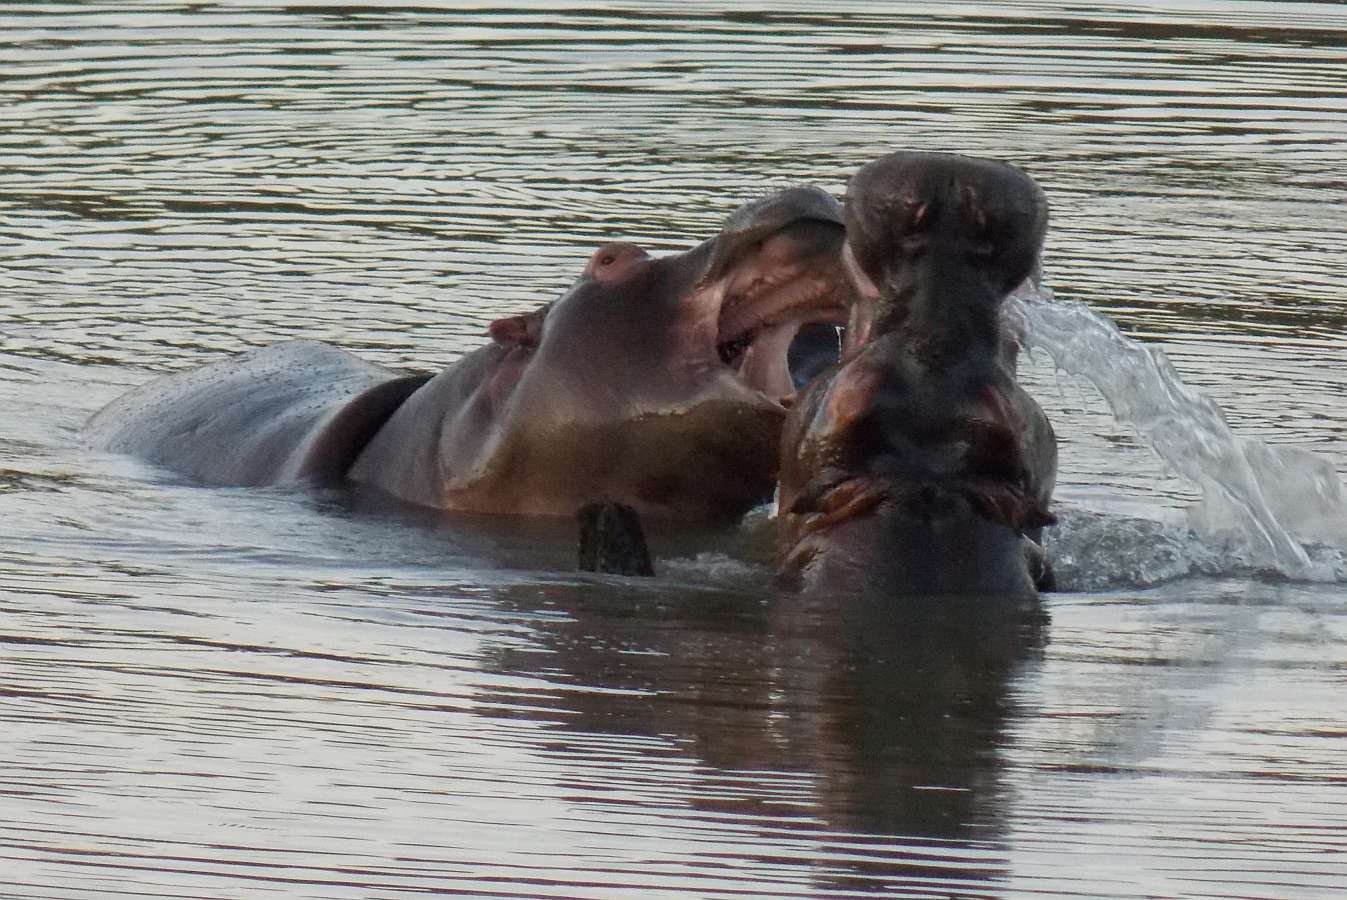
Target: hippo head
{"x":656,"y":382}
{"x":935,"y":242}
{"x":918,"y":464}
{"x":661,"y":335}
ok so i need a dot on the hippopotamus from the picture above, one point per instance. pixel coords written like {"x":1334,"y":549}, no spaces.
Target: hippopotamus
{"x":654,"y":382}
{"x":917,"y":465}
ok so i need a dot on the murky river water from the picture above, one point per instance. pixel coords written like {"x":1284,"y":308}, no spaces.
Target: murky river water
{"x":230,"y":693}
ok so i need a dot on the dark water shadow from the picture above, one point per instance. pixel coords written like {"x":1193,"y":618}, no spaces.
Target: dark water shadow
{"x":896,"y":716}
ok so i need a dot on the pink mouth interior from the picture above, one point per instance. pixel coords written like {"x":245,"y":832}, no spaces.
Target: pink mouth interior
{"x":766,"y":303}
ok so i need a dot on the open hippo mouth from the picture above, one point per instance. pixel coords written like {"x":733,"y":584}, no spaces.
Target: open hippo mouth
{"x":765,"y":333}
{"x":779,"y":290}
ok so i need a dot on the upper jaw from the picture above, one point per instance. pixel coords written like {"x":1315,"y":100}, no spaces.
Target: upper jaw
{"x":754,"y":222}
{"x":772,"y":273}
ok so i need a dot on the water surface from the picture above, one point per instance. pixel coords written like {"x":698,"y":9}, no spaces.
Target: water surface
{"x":225,"y":693}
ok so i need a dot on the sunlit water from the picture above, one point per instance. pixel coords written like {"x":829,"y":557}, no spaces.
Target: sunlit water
{"x":226,"y":693}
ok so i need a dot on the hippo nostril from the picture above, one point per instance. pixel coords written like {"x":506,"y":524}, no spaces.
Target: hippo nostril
{"x":918,"y":212}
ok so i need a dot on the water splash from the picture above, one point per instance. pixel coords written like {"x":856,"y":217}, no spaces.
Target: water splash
{"x":1094,"y":551}
{"x":1259,"y":500}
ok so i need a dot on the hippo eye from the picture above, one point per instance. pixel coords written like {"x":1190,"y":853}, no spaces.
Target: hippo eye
{"x":614,"y":261}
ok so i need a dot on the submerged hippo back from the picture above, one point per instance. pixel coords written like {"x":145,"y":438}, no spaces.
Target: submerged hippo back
{"x":297,"y":410}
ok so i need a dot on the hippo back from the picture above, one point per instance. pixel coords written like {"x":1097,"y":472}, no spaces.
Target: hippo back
{"x":291,"y":411}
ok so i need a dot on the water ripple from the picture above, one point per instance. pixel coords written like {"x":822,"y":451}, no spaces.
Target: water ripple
{"x":216,"y":693}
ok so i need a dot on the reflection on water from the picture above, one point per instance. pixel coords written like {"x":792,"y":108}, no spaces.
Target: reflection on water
{"x":825,"y":720}
{"x":224,"y":693}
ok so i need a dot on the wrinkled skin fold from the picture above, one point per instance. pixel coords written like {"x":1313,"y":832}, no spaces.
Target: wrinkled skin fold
{"x":653,"y":382}
{"x":917,"y":465}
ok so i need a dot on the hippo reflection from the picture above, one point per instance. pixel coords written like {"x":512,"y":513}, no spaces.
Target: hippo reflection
{"x":656,"y":382}
{"x":918,"y":465}
{"x":817,"y":717}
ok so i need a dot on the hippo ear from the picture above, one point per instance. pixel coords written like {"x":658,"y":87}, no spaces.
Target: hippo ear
{"x":518,"y":331}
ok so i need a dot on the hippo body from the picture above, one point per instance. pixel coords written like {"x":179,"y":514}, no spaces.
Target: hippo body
{"x":654,"y":382}
{"x":299,"y":410}
{"x":896,"y":481}
{"x":918,"y":465}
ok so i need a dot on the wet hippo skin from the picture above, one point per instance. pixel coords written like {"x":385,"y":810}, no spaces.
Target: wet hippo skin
{"x":917,"y":465}
{"x":653,"y":382}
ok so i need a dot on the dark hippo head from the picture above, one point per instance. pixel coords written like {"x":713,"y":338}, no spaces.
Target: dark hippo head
{"x":935,"y":238}
{"x":918,"y":465}
{"x":654,"y":381}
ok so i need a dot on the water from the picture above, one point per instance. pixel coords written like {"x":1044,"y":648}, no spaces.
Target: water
{"x":224,"y":693}
{"x":1258,"y":501}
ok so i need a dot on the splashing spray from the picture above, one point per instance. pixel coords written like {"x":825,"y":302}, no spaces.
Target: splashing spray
{"x":1256,"y":495}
